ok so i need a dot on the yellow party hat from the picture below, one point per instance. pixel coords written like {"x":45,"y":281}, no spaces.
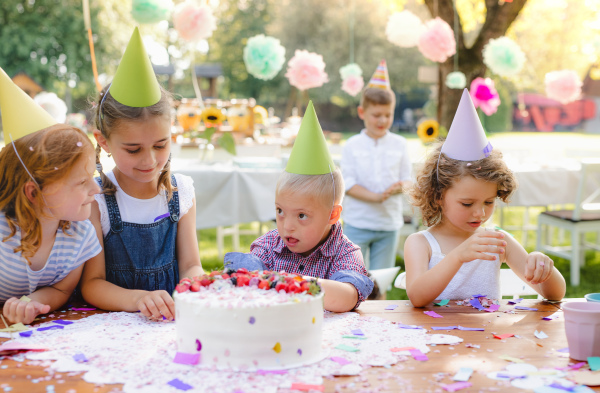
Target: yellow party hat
{"x":135,"y":83}
{"x":310,"y":154}
{"x":380,"y":78}
{"x":20,"y":114}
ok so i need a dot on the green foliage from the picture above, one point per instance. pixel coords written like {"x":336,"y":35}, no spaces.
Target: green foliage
{"x":227,"y":142}
{"x":502,"y":119}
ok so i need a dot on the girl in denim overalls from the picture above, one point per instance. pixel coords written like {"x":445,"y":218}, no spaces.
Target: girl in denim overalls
{"x":145,"y":217}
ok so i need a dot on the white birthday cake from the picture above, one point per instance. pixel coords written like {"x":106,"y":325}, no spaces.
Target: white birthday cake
{"x":249,"y":320}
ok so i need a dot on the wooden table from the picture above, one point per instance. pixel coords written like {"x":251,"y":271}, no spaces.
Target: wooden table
{"x":414,"y":375}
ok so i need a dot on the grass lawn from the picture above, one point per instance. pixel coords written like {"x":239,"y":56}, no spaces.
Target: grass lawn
{"x":590,"y":273}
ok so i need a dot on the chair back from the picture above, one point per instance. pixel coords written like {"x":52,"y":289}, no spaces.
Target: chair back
{"x":588,"y":201}
{"x":385,"y":277}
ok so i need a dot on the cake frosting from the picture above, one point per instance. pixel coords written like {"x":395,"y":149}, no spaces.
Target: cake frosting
{"x":249,"y":320}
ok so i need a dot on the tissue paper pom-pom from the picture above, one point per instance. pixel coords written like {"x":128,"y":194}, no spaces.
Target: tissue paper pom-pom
{"x":456,"y":80}
{"x":484,"y":95}
{"x":264,"y":56}
{"x":349,"y":70}
{"x":53,"y":105}
{"x":503,"y":56}
{"x":151,"y":11}
{"x":306,"y":70}
{"x":563,"y":86}
{"x":193,"y":22}
{"x":353,"y":85}
{"x":404,"y":28}
{"x":437,"y":42}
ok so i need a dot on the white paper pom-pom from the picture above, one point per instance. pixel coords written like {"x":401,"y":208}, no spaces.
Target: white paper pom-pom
{"x":404,"y":28}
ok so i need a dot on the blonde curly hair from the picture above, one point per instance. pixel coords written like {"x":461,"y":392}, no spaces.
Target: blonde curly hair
{"x":433,"y":180}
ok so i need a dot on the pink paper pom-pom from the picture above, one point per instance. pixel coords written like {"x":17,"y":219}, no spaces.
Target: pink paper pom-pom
{"x":484,"y":95}
{"x":437,"y":42}
{"x":306,"y":70}
{"x":563,"y":86}
{"x":353,"y":85}
{"x":193,"y":22}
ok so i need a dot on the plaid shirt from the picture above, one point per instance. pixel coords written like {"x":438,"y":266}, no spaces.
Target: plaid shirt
{"x":337,"y":259}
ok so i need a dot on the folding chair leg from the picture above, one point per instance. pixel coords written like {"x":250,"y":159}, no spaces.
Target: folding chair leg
{"x":220,"y":241}
{"x":575,"y":258}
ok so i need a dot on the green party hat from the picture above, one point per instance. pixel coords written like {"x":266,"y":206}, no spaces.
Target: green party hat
{"x":20,"y":114}
{"x":310,"y":155}
{"x":135,"y":83}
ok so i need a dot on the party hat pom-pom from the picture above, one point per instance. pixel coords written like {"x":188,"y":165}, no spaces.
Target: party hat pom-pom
{"x":353,"y":85}
{"x":484,"y":95}
{"x":55,"y":106}
{"x":404,"y":28}
{"x":306,"y":70}
{"x":349,"y":70}
{"x":151,"y":11}
{"x":437,"y":42}
{"x":563,"y":86}
{"x":193,"y":22}
{"x":503,"y":56}
{"x":264,"y":56}
{"x":456,"y":80}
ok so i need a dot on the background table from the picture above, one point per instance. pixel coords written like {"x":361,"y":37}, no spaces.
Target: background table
{"x":413,"y":375}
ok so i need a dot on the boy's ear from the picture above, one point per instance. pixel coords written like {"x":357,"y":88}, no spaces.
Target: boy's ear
{"x":361,"y":112}
{"x":101,"y":140}
{"x":30,"y":191}
{"x":336,"y":213}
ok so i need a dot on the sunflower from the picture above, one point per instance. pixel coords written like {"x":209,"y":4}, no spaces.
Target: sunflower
{"x":212,"y":116}
{"x":428,"y":131}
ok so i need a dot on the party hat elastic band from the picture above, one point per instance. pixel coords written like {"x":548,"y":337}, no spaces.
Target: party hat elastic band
{"x":380,"y":78}
{"x":135,"y":83}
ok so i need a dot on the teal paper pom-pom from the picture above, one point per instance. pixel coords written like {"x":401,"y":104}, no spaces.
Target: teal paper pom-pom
{"x":456,"y":80}
{"x":151,"y":11}
{"x":351,"y":69}
{"x":264,"y":56}
{"x":503,"y":56}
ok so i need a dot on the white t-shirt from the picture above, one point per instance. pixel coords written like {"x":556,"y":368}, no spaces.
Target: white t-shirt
{"x":375,"y":164}
{"x":144,"y":211}
{"x":69,"y":251}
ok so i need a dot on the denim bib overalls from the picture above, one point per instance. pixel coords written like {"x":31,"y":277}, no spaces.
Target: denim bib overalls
{"x":142,"y":256}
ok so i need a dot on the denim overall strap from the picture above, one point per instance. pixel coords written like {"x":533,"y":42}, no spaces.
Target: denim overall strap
{"x":174,"y":202}
{"x":114,"y":214}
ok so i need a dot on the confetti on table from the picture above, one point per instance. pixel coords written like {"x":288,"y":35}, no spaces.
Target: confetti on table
{"x":25,"y":299}
{"x":63,"y":322}
{"x":525,"y":308}
{"x":357,"y":332}
{"x":402,"y":349}
{"x":50,"y":328}
{"x":550,"y":317}
{"x":503,"y":336}
{"x":347,"y":348}
{"x":176,"y":383}
{"x":306,"y":387}
{"x":511,"y":359}
{"x":478,"y":296}
{"x":17,"y":327}
{"x":453,"y":387}
{"x":541,"y":335}
{"x":266,"y":372}
{"x":515,"y":301}
{"x":444,"y":327}
{"x":15,"y":347}
{"x":477,"y":304}
{"x":463,"y":374}
{"x":162,"y":216}
{"x":187,"y":358}
{"x":340,"y":360}
{"x":403,"y":326}
{"x":354,"y":337}
{"x":26,"y":334}
{"x":80,"y":358}
{"x":471,"y":329}
{"x":442,"y":302}
{"x":391,"y":307}
{"x":432,"y":314}
{"x":418,"y":355}
{"x":594,"y":363}
{"x":492,"y":308}
{"x":563,"y":350}
{"x":83,"y":309}
{"x":576,"y":366}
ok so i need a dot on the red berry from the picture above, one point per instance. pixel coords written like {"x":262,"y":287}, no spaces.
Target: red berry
{"x":225,"y":276}
{"x":305,"y":286}
{"x":205,"y":282}
{"x":195,"y":287}
{"x":242,"y":270}
{"x":182,"y":288}
{"x":264,"y":284}
{"x":280,"y":286}
{"x":185,"y":280}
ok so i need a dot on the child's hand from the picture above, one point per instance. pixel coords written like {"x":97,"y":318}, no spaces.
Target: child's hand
{"x":538,"y":268}
{"x":157,"y":304}
{"x":16,"y":310}
{"x":480,"y":245}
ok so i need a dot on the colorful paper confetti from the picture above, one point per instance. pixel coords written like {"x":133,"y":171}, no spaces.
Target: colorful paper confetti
{"x":418,"y":355}
{"x":340,"y":360}
{"x":540,"y":334}
{"x":432,"y":314}
{"x":347,"y":348}
{"x":176,"y":383}
{"x":594,"y":363}
{"x":503,"y":336}
{"x":391,"y":307}
{"x":442,"y":302}
{"x":306,"y":387}
{"x":187,"y":358}
{"x":463,"y":374}
{"x":453,"y":387}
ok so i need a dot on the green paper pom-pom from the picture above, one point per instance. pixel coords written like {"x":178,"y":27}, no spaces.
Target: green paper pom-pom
{"x":456,"y":80}
{"x":503,"y":56}
{"x":264,"y":56}
{"x":151,"y":11}
{"x":351,"y":69}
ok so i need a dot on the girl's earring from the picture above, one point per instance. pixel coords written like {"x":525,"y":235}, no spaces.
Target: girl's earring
{"x":109,"y":154}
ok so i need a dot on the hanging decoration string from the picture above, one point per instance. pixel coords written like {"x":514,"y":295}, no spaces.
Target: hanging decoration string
{"x":88,"y":26}
{"x":195,"y":83}
{"x":455,"y":34}
{"x":352,"y":32}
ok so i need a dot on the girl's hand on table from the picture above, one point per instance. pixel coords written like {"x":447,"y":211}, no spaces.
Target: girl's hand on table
{"x":538,"y":267}
{"x":157,"y":304}
{"x":16,"y":310}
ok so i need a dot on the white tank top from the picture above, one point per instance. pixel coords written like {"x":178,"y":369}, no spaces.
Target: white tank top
{"x":478,"y":277}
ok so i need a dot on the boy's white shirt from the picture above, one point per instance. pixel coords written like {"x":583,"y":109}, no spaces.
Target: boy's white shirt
{"x":375,"y":164}
{"x":144,"y":211}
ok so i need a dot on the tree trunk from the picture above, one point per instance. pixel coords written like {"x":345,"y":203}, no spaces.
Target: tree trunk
{"x":470,"y":60}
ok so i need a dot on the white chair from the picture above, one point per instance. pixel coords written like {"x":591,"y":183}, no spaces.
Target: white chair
{"x":510,"y":284}
{"x":585,"y":217}
{"x":384,"y":277}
